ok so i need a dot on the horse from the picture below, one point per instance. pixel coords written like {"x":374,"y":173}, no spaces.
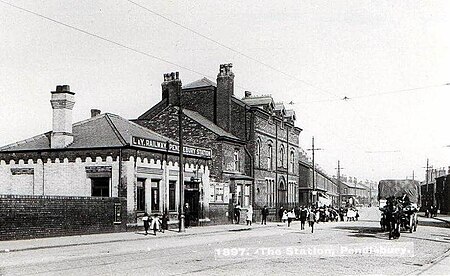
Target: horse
{"x":392,"y":218}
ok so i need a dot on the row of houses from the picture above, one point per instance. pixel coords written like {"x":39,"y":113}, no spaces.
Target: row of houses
{"x":237,"y":151}
{"x":435,"y":190}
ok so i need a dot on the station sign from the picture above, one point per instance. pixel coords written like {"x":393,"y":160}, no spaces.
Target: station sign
{"x":170,"y":147}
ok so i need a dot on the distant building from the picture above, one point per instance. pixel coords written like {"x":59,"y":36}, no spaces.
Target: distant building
{"x":325,"y":187}
{"x":434,"y":192}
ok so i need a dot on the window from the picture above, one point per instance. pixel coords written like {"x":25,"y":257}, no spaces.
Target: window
{"x":281,"y":156}
{"x":140,"y":195}
{"x":269,"y":158}
{"x":258,"y":153}
{"x":270,"y":183}
{"x":239,"y":194}
{"x":155,"y":195}
{"x":172,"y":191}
{"x":100,"y":186}
{"x":236,"y":160}
{"x":246,"y":196}
{"x":291,"y":161}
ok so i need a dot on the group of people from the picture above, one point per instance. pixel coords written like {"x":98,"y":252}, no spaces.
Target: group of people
{"x":248,"y":214}
{"x":154,"y":223}
{"x":313,"y":214}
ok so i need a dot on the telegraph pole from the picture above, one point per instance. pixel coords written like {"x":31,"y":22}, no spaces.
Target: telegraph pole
{"x":428,"y":167}
{"x":339,"y":182}
{"x":180,"y":160}
{"x":313,"y":149}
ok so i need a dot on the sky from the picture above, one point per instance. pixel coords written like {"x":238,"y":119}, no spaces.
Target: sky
{"x":389,"y":59}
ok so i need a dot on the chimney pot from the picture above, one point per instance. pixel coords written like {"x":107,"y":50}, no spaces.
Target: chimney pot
{"x":95,"y":112}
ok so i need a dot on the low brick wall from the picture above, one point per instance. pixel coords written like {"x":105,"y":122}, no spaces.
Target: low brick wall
{"x":27,"y":217}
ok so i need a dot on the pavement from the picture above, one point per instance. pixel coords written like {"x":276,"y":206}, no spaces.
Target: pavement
{"x":437,"y":220}
{"x":68,"y":241}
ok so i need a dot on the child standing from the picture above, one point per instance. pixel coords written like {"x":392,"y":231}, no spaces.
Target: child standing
{"x":156,"y":223}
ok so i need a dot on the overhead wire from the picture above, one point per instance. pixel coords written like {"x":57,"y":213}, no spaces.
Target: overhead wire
{"x":105,"y":39}
{"x":231,"y":49}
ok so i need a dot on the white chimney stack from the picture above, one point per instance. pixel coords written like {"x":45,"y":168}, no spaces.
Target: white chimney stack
{"x":62,"y":103}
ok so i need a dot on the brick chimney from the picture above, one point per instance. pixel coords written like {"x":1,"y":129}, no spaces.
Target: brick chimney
{"x":95,"y":112}
{"x":62,"y":101}
{"x":225,"y":89}
{"x":171,"y":88}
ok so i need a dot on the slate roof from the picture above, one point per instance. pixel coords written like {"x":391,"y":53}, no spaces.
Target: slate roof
{"x":102,"y":131}
{"x":204,"y":82}
{"x":208,"y":124}
{"x":261,"y":100}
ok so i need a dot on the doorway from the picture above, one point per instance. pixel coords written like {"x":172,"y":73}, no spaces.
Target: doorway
{"x":192,"y":198}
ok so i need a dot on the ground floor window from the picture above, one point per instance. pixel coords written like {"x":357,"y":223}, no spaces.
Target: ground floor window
{"x":172,"y":191}
{"x":140,"y":195}
{"x":100,"y":186}
{"x":155,"y":195}
{"x":243,"y":194}
{"x":270,"y":186}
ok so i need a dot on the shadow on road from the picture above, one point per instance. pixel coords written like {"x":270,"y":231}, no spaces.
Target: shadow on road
{"x":364,"y":232}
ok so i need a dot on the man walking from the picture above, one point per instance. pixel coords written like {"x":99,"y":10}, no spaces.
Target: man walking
{"x":264,"y":213}
{"x":303,"y":216}
{"x":311,"y":219}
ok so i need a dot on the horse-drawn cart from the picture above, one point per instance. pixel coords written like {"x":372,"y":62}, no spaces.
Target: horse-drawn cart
{"x":398,"y":205}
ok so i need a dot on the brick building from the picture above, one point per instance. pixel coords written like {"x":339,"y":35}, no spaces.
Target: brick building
{"x":254,"y":141}
{"x":105,"y":156}
{"x":325,"y":186}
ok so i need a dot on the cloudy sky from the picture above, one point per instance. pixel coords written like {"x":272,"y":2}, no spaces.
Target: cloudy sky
{"x":391,"y":59}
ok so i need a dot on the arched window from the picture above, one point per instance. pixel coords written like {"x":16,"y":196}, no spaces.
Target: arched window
{"x":281,"y":156}
{"x":269,"y":157}
{"x":291,"y":161}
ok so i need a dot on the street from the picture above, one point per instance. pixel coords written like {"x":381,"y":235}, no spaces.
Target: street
{"x":211,"y":253}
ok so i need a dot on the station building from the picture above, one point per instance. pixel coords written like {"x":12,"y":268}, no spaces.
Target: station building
{"x":103,"y":157}
{"x":254,"y":141}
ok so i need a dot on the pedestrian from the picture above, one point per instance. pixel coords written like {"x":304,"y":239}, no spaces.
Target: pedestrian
{"x":156,"y":224}
{"x":164,"y":220}
{"x":311,"y":219}
{"x":280,"y":213}
{"x":237,"y":213}
{"x":356,"y":215}
{"x":187,"y":215}
{"x":291,"y":217}
{"x":264,"y":214}
{"x":284,"y":218}
{"x":146,"y":219}
{"x":249,"y":217}
{"x":303,"y":216}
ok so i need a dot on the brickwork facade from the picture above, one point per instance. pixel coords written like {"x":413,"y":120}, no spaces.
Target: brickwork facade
{"x":240,"y":163}
{"x":29,"y":217}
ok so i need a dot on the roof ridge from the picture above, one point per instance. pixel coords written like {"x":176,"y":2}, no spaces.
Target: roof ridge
{"x":138,"y":125}
{"x":115,"y":130}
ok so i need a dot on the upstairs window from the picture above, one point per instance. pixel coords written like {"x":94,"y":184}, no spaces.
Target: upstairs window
{"x":269,"y":157}
{"x":282,"y":156}
{"x":236,"y":160}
